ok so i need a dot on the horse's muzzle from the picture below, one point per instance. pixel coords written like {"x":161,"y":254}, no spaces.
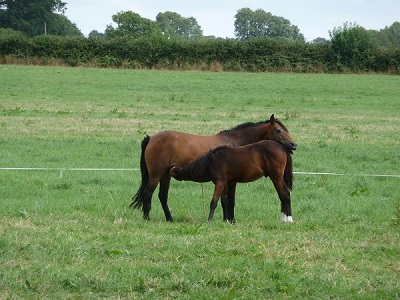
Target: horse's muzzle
{"x":292,"y":146}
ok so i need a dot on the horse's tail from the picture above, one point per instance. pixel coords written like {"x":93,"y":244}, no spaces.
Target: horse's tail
{"x":288,"y":174}
{"x":137,"y":199}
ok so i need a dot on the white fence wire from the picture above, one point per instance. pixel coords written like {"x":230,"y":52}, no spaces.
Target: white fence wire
{"x":62,"y":170}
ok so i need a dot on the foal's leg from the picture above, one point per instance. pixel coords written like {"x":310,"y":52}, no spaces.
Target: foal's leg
{"x":284,"y":196}
{"x":218,"y":189}
{"x":163,"y":195}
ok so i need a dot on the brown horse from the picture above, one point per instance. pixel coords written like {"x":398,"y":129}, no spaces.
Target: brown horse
{"x":226,"y":165}
{"x":165,"y":149}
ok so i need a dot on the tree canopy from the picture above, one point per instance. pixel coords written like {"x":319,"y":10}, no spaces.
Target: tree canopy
{"x":173,"y":25}
{"x":389,"y":37}
{"x":260,"y":24}
{"x":36,"y":17}
{"x":168,"y":24}
{"x":132,"y":24}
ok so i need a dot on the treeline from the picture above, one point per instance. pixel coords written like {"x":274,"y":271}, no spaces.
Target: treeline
{"x":263,"y":42}
{"x":254,"y":55}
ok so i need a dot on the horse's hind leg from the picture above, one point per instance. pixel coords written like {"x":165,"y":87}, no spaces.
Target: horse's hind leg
{"x":147,"y":195}
{"x":163,"y":196}
{"x":228,"y":203}
{"x":231,"y":202}
{"x":225,"y":205}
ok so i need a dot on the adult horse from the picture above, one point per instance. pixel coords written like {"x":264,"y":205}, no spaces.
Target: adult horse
{"x":226,"y":165}
{"x":166,"y":149}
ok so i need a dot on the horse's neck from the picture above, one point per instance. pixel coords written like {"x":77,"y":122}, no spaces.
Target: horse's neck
{"x":243,"y":136}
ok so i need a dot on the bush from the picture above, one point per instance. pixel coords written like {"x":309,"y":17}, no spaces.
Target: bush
{"x":13,"y":42}
{"x":352,"y":48}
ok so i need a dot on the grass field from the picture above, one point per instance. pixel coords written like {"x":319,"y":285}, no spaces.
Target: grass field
{"x":70,"y":234}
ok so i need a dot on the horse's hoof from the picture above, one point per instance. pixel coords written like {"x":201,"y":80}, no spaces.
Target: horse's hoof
{"x":283,"y":218}
{"x":286,"y":219}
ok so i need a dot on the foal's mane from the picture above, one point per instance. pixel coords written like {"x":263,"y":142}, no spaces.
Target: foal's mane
{"x":253,"y":124}
{"x":199,"y":167}
{"x":207,"y":158}
{"x":214,"y":151}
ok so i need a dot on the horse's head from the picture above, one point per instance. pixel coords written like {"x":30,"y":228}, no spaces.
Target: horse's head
{"x":278,"y":133}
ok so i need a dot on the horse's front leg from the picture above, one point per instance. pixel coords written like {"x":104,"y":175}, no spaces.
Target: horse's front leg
{"x":218,"y":189}
{"x":163,"y":195}
{"x":284,"y":197}
{"x":286,"y":209}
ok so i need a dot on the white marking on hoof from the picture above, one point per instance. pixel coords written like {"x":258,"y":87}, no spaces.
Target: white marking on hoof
{"x":290,"y":219}
{"x":283,"y":218}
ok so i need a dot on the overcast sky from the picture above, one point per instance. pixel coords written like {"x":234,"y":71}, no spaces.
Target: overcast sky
{"x":315,"y":18}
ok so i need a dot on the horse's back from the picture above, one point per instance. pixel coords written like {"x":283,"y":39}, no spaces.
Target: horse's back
{"x":168,"y":148}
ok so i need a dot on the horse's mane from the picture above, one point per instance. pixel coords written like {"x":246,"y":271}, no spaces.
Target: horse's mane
{"x":253,"y":124}
{"x":281,"y":124}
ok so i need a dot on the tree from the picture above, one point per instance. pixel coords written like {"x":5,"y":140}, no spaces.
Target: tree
{"x":245,"y":25}
{"x":393,"y":33}
{"x":351,"y":47}
{"x":36,"y":17}
{"x":96,"y":34}
{"x":261,"y":24}
{"x":133,"y":25}
{"x":60,"y":25}
{"x":320,"y":40}
{"x":173,"y":25}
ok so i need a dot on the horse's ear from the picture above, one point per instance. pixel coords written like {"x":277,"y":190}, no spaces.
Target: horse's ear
{"x":272,"y":119}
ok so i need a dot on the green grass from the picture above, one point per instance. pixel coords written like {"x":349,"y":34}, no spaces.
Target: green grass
{"x":73,"y":236}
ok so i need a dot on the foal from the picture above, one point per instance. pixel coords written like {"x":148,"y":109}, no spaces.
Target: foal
{"x":226,"y":165}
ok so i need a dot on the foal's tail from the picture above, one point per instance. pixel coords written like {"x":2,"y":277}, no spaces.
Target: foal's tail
{"x":137,"y":200}
{"x":288,"y":174}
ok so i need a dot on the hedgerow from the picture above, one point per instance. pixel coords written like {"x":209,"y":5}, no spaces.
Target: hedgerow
{"x":256,"y":55}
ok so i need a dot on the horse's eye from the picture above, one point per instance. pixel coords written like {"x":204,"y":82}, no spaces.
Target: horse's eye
{"x":278,"y":130}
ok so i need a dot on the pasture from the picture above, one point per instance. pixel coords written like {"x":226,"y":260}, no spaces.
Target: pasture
{"x":70,"y":234}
